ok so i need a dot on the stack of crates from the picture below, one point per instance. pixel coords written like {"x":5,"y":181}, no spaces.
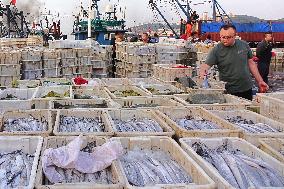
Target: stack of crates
{"x":168,"y":72}
{"x":68,"y":62}
{"x":51,"y":61}
{"x":9,"y":66}
{"x":135,"y":60}
{"x":102,"y":61}
{"x":85,"y":67}
{"x":32,"y":63}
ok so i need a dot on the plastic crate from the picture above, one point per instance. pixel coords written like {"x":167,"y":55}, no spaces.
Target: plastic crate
{"x":147,"y":102}
{"x":256,"y":118}
{"x":32,"y":74}
{"x":84,"y":61}
{"x":85,"y":69}
{"x":55,"y":82}
{"x":32,"y":65}
{"x":169,"y":114}
{"x":146,"y":81}
{"x":72,"y":61}
{"x":231,"y":102}
{"x":50,"y":63}
{"x":30,"y":145}
{"x":27,"y":83}
{"x":56,"y":142}
{"x":95,"y":93}
{"x":114,"y":91}
{"x":125,"y":115}
{"x":20,"y":94}
{"x":273,"y":146}
{"x":234,"y":144}
{"x":272,"y":105}
{"x":161,"y":89}
{"x":52,"y":73}
{"x":10,"y":69}
{"x":63,"y":91}
{"x":99,"y":63}
{"x":41,"y":115}
{"x":116,"y":81}
{"x":84,"y":114}
{"x":69,"y":70}
{"x":7,"y":81}
{"x":82,"y":104}
{"x":168,"y":145}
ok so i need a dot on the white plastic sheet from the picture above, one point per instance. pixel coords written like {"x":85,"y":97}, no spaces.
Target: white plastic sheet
{"x":70,"y":157}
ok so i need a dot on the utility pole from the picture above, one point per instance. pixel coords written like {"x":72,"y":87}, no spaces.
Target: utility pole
{"x":90,"y":19}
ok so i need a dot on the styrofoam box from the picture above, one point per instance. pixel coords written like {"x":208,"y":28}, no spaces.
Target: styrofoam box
{"x":8,"y":80}
{"x":30,"y":145}
{"x":22,"y":94}
{"x":98,"y":92}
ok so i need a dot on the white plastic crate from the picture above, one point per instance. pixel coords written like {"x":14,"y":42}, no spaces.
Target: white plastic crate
{"x":28,"y":144}
{"x":55,"y":81}
{"x":231,"y":102}
{"x":117,"y":91}
{"x":84,"y":61}
{"x":145,"y":81}
{"x":233,"y":144}
{"x":32,"y":74}
{"x":103,"y":115}
{"x":51,"y":72}
{"x":41,"y":115}
{"x":272,"y":105}
{"x":82,"y":104}
{"x":154,"y":89}
{"x":127,"y":114}
{"x":85,"y":69}
{"x":170,"y":114}
{"x":147,"y":102}
{"x":69,"y":70}
{"x":95,"y":93}
{"x":32,"y":65}
{"x":65,"y":62}
{"x":168,"y":145}
{"x":50,"y":63}
{"x":63,"y":91}
{"x":7,"y":81}
{"x":59,"y":141}
{"x":256,"y":118}
{"x":116,"y":81}
{"x":27,"y":83}
{"x":92,"y":82}
{"x":20,"y":94}
{"x":99,"y":63}
{"x":10,"y":69}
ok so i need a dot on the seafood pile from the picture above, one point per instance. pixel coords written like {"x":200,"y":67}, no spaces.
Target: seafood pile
{"x":206,"y":99}
{"x":137,"y":125}
{"x":250,"y":126}
{"x":150,"y":105}
{"x":15,"y":169}
{"x":276,"y":82}
{"x":75,"y":124}
{"x":53,"y":94}
{"x":74,"y":176}
{"x":240,"y":170}
{"x":126,"y":93}
{"x":78,"y":96}
{"x":73,"y":106}
{"x":25,"y":124}
{"x":147,"y":168}
{"x":198,"y":123}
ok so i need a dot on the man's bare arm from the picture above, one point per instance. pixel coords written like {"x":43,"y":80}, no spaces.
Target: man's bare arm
{"x":253,"y":69}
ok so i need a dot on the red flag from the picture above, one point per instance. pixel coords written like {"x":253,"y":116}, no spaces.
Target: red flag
{"x":13,"y":2}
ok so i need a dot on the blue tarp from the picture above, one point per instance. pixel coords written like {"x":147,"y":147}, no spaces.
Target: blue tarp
{"x":278,"y":27}
{"x":246,"y":27}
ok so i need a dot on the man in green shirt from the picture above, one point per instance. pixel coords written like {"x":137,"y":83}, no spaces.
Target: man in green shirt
{"x":234,"y":61}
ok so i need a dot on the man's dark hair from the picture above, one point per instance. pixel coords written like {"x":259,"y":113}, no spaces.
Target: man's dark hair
{"x":269,"y":32}
{"x":228,"y":26}
{"x":145,"y":34}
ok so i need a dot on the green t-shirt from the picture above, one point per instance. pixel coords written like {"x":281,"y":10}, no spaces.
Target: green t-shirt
{"x":232,"y":63}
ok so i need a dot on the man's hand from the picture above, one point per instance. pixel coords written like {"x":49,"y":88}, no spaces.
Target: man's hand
{"x":263,"y":87}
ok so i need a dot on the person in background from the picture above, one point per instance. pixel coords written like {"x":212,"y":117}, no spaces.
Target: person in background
{"x":154,"y":39}
{"x":188,"y":29}
{"x":119,"y":37}
{"x":234,"y":61}
{"x":195,"y":37}
{"x":208,"y":40}
{"x":264,"y":54}
{"x":145,"y":38}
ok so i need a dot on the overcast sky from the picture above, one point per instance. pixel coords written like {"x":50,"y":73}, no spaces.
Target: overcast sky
{"x":137,"y":11}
